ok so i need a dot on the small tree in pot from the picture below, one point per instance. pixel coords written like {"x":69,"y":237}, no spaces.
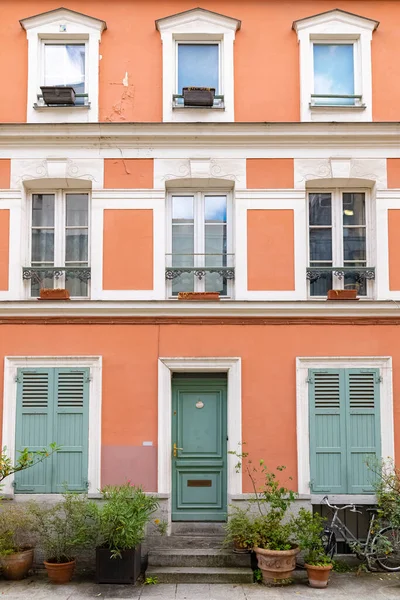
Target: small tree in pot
{"x":309,"y":528}
{"x":123,"y":519}
{"x":273,"y":535}
{"x":17,"y":540}
{"x":64,"y":529}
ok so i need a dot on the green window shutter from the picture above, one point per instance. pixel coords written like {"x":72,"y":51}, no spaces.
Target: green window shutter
{"x":363,"y":427}
{"x":34,"y":426}
{"x":71,"y":424}
{"x":327,"y":431}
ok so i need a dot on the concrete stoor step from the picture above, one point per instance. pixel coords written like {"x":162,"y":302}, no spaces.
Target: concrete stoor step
{"x":207,"y":557}
{"x":200,"y":575}
{"x":194,"y":528}
{"x":184,"y":541}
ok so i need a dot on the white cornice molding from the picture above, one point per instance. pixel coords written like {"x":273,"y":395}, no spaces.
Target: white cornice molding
{"x":222,"y":309}
{"x":102,"y":136}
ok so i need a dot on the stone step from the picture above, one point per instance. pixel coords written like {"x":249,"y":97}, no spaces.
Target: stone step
{"x":184,"y":541}
{"x":200,"y":575}
{"x":207,"y":557}
{"x":193,"y":528}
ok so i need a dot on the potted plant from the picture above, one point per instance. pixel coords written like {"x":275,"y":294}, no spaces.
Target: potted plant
{"x":309,"y":529}
{"x":273,"y":536}
{"x":239,"y":530}
{"x":123,"y":519}
{"x":58,"y":94}
{"x":63,"y":530}
{"x":16,"y":540}
{"x":198,"y":96}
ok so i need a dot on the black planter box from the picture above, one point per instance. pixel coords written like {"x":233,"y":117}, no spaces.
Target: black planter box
{"x":118,"y":570}
{"x":198,"y":96}
{"x":58,"y":95}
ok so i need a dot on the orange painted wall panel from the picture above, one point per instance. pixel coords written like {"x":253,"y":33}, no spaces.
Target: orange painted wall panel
{"x":5,"y":173}
{"x":270,"y":173}
{"x":394,"y":248}
{"x":270,"y":249}
{"x":268,"y":64}
{"x":4,"y":248}
{"x":393,"y":172}
{"x":129,"y":385}
{"x":128,"y":249}
{"x":129,"y":173}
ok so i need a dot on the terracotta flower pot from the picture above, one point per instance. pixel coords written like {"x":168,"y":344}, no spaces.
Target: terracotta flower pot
{"x":318,"y":576}
{"x":16,"y":566}
{"x":56,"y":294}
{"x":342,"y":294}
{"x":239,"y":548}
{"x":276,"y":565}
{"x":60,"y":572}
{"x":210,"y":296}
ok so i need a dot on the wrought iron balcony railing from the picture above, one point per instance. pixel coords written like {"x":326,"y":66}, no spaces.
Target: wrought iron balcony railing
{"x":200,"y":265}
{"x":39,"y":273}
{"x":360,"y":274}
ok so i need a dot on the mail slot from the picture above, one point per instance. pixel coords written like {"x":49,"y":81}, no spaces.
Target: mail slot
{"x":199,"y":483}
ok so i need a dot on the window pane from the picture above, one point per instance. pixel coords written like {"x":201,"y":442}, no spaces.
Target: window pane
{"x":320,"y":209}
{"x":45,"y":282}
{"x":215,"y":209}
{"x":353,"y":209}
{"x":76,"y":245}
{"x":334,"y":72}
{"x":354,"y":244}
{"x":321,"y":286}
{"x":182,"y":244}
{"x":198,"y":66}
{"x":64,"y":64}
{"x":182,"y":208}
{"x":75,"y":286}
{"x":43,"y":245}
{"x":351,"y":281}
{"x":77,"y":210}
{"x":320,"y":244}
{"x":43,"y":210}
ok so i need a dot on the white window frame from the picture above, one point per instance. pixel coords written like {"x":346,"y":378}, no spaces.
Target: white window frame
{"x":337,"y":234}
{"x":384,"y":364}
{"x":335,"y":27}
{"x":205,"y":43}
{"x":11,"y":366}
{"x":59,"y":234}
{"x":64,"y":42}
{"x":199,"y":225}
{"x":62,"y":26}
{"x":198,"y":26}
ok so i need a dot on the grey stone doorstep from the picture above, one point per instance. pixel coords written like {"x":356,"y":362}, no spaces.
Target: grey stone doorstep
{"x":371,"y":586}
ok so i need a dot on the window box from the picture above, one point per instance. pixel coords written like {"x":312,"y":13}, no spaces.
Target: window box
{"x":54,"y":294}
{"x":58,"y":94}
{"x":197,"y":96}
{"x":342,"y":295}
{"x":209,"y":296}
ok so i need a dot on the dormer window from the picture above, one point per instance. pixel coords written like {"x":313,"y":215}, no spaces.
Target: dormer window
{"x":335,"y":66}
{"x":63,"y":66}
{"x":197,"y":50}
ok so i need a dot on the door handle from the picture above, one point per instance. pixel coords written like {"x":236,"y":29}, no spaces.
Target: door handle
{"x":176,"y":450}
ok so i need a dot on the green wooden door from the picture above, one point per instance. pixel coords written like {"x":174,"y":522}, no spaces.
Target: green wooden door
{"x":199,"y":430}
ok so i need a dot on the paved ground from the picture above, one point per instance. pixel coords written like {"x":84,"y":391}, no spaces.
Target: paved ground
{"x":342,"y":586}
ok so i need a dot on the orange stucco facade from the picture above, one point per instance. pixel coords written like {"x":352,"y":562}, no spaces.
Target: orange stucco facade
{"x":130,"y":355}
{"x":132,"y":45}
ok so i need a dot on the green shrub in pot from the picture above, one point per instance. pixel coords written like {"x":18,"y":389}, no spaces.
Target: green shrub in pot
{"x":123,"y":519}
{"x":239,"y":530}
{"x":308,"y":529}
{"x":17,"y":539}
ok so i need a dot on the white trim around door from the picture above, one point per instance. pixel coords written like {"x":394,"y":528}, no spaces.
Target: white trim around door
{"x":167,"y":366}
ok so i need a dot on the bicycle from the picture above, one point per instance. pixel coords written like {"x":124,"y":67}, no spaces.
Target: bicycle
{"x":382,"y":547}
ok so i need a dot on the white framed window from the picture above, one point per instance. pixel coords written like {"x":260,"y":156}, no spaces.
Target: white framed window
{"x":339,"y":241}
{"x":335,"y":66}
{"x":59,"y":237}
{"x":197,"y":48}
{"x":63,"y":50}
{"x":199,"y":242}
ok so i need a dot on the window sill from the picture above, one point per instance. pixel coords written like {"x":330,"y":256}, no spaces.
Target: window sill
{"x":336,"y":107}
{"x":62,"y":106}
{"x":367,"y":499}
{"x":218,"y":108}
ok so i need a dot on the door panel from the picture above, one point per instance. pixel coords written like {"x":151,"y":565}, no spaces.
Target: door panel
{"x":199,"y":467}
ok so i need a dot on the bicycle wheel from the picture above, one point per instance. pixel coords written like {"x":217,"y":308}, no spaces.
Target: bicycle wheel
{"x":386,"y":547}
{"x":329,"y":542}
